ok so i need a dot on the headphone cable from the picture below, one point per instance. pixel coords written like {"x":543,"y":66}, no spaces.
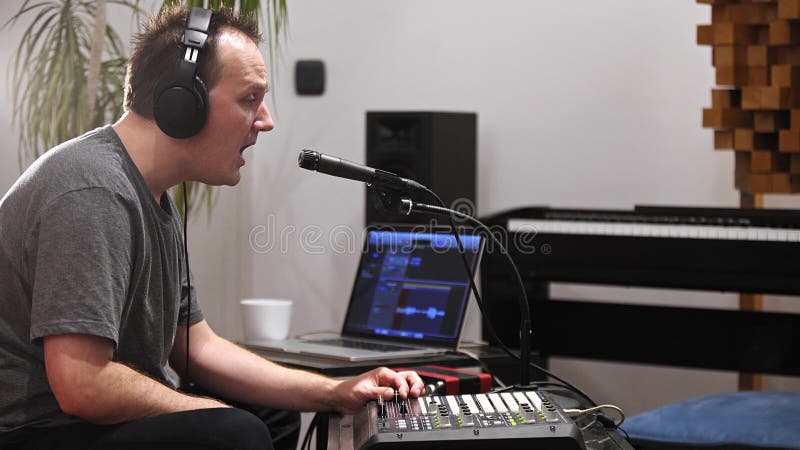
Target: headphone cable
{"x":189,"y":383}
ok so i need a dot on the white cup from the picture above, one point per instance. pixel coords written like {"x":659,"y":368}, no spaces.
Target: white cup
{"x":266,"y":318}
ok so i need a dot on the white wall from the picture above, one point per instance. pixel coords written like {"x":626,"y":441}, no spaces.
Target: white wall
{"x":580,"y":104}
{"x":9,"y":169}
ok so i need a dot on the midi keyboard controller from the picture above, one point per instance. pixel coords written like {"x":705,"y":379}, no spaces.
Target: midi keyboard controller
{"x":527,"y":420}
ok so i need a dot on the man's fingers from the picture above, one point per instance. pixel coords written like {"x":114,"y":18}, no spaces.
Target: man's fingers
{"x":385,"y":392}
{"x":414,"y":382}
{"x":407,"y":383}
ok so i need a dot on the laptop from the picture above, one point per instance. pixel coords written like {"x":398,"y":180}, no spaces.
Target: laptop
{"x":409,"y":298}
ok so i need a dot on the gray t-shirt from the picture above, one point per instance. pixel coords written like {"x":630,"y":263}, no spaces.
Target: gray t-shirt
{"x":85,"y":248}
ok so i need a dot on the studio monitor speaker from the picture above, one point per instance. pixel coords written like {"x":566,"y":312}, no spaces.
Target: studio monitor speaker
{"x":437,"y":149}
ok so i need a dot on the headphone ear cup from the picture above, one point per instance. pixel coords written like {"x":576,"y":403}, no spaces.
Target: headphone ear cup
{"x":181,"y":112}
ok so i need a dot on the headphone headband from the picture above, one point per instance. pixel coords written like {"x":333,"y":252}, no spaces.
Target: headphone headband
{"x":197,"y":28}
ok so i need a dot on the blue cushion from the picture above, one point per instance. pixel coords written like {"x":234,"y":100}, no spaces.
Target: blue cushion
{"x":742,"y":420}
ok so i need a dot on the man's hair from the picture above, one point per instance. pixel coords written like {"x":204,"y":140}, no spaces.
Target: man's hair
{"x":157,"y":50}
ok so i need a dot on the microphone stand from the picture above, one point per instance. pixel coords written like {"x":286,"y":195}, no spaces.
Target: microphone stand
{"x":397,"y":202}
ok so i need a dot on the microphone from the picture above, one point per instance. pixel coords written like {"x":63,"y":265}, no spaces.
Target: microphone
{"x":338,"y":167}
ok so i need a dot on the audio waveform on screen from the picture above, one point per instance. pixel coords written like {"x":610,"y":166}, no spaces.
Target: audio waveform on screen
{"x":431,"y":313}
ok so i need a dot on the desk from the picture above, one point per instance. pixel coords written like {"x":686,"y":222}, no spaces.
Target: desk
{"x":495,"y":359}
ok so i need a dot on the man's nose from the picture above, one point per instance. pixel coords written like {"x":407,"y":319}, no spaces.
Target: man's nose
{"x":263,"y":120}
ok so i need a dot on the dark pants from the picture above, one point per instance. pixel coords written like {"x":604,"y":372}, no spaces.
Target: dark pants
{"x":204,"y":429}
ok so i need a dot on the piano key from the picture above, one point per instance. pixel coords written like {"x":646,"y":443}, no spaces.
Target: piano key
{"x":654,"y":230}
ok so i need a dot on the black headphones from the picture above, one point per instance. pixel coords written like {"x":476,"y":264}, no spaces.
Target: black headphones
{"x":181,"y":100}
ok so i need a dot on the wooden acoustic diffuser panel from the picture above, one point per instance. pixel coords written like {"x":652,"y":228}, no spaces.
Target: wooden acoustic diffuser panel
{"x":755,"y":108}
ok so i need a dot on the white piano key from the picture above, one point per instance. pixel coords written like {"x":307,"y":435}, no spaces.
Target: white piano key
{"x":680,"y":231}
{"x":573,"y":227}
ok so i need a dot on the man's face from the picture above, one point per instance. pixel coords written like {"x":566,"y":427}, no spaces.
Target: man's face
{"x":236,"y":111}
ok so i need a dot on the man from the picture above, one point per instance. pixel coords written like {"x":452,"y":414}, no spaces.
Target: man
{"x":94,"y":297}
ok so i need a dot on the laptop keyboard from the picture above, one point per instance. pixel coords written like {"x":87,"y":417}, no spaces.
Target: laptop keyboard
{"x":361,"y":345}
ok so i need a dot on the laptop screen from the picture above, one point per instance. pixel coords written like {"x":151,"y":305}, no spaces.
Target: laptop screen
{"x":412,"y":286}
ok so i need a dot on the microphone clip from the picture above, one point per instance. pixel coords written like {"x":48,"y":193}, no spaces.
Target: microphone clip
{"x":390,"y":200}
{"x":391,"y":193}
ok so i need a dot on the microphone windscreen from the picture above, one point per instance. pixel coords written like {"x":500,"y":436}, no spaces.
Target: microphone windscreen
{"x":308,"y":159}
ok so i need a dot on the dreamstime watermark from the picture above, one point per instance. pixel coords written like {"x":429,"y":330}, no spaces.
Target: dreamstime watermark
{"x":344,"y":239}
{"x":464,"y":206}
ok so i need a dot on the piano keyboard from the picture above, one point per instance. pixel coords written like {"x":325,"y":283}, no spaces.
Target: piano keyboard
{"x":651,"y":230}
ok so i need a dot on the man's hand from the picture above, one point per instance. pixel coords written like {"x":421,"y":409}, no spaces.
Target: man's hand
{"x":351,"y":395}
{"x":233,"y":372}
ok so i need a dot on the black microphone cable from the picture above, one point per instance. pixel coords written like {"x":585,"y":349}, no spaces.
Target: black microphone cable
{"x":443,"y":210}
{"x":189,"y":383}
{"x":312,"y":427}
